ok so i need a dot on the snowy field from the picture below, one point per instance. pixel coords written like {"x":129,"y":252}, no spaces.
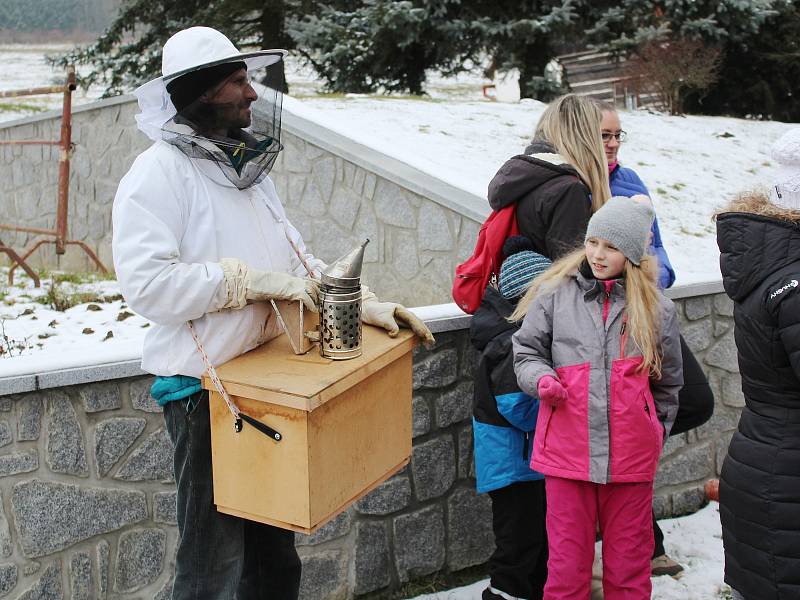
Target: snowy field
{"x":23,"y":66}
{"x":694,"y":541}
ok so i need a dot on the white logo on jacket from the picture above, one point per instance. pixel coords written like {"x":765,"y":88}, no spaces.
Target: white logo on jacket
{"x":792,"y":284}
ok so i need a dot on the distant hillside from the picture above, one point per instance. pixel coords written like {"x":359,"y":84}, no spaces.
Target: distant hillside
{"x":25,"y":17}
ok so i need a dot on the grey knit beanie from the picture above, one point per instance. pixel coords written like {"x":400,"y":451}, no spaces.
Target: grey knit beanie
{"x":625,"y":223}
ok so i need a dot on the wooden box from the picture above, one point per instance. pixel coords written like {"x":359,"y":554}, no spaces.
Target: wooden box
{"x":345,"y":427}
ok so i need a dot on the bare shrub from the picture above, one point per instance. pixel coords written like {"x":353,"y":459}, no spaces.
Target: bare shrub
{"x":671,"y":68}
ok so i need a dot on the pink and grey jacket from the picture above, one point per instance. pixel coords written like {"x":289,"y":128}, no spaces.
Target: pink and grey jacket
{"x":615,"y":420}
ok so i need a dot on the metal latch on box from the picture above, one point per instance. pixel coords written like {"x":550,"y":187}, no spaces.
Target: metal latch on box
{"x":265,"y":429}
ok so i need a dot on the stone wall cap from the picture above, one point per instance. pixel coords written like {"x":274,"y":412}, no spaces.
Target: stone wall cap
{"x":34,"y":373}
{"x":300,"y":120}
{"x":31,"y":373}
{"x":76,"y":109}
{"x":18,"y":384}
{"x":691,"y":290}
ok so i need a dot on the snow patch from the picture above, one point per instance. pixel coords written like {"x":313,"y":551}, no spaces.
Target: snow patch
{"x":695,"y":541}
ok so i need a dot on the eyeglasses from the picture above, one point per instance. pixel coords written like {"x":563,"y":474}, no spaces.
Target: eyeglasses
{"x":620,"y":136}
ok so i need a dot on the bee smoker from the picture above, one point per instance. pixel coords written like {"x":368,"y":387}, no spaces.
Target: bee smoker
{"x":340,"y":307}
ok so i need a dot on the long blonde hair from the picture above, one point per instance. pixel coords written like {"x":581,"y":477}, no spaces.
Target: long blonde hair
{"x":642,"y":303}
{"x":572,"y":125}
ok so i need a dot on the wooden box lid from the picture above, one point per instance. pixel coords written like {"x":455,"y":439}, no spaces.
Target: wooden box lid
{"x":273,"y":373}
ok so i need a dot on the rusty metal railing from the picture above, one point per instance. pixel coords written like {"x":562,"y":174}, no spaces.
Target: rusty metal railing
{"x":60,"y":233}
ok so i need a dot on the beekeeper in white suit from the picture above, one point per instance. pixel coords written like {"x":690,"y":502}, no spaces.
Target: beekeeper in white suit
{"x":200,"y":236}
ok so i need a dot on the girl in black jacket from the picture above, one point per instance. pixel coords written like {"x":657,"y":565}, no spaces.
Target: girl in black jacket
{"x":759,"y":493}
{"x":560,"y":180}
{"x":503,"y":421}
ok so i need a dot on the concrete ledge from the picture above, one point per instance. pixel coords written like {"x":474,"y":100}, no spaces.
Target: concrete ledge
{"x":443,"y":317}
{"x":76,"y":109}
{"x":60,"y":378}
{"x":440,"y":318}
{"x":691,"y":290}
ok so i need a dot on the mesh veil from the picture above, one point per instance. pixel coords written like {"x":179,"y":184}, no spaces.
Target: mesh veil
{"x":246,"y":155}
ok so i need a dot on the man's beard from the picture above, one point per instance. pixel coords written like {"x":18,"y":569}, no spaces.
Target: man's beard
{"x":219,"y":117}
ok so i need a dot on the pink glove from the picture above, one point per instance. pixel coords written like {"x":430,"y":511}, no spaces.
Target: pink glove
{"x":551,"y":391}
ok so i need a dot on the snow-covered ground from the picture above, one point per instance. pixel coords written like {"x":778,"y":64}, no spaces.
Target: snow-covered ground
{"x":694,"y":541}
{"x":96,"y":325}
{"x":24,"y":66}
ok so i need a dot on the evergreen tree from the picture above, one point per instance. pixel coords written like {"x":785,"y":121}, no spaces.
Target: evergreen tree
{"x":735,"y":28}
{"x":363,"y":45}
{"x":760,"y":75}
{"x":384,"y":43}
{"x":526,"y":36}
{"x":129,"y":52}
{"x":622,"y":25}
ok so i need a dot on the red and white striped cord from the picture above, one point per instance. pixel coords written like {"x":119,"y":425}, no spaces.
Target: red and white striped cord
{"x":212,"y":373}
{"x":299,"y":254}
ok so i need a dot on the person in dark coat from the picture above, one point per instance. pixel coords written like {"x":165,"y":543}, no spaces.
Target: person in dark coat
{"x":559,"y":181}
{"x":759,"y":490}
{"x":696,"y":400}
{"x":503,"y":422}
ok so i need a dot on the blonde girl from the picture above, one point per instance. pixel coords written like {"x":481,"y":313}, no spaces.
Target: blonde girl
{"x":599,"y":347}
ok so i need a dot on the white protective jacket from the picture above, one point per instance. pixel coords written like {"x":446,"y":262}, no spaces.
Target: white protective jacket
{"x":174,"y":218}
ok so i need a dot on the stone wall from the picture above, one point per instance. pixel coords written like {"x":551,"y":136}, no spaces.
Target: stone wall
{"x":88,"y":503}
{"x":336,"y":193}
{"x":88,"y":499}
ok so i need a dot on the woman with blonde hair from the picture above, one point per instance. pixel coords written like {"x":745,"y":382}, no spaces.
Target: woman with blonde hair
{"x":599,"y":347}
{"x":560,"y":180}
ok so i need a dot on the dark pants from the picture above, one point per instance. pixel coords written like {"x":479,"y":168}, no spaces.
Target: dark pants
{"x":220,"y":557}
{"x":695,"y":407}
{"x":518,"y":565}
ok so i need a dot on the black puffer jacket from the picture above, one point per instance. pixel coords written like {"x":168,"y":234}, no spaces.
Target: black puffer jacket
{"x":760,"y":481}
{"x":553,"y":204}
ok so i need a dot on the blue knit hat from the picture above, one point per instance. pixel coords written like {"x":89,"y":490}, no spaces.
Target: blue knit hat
{"x":521,"y":266}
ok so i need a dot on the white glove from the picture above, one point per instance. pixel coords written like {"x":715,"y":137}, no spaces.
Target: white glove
{"x":391,"y":316}
{"x":244,"y":283}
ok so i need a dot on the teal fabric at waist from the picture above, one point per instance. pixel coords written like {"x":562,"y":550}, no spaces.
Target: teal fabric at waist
{"x":167,"y":389}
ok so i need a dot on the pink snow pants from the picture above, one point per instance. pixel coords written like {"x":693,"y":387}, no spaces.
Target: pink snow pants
{"x":624,"y":512}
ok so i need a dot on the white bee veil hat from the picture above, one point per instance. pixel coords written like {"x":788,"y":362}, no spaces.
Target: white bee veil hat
{"x":190,"y":50}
